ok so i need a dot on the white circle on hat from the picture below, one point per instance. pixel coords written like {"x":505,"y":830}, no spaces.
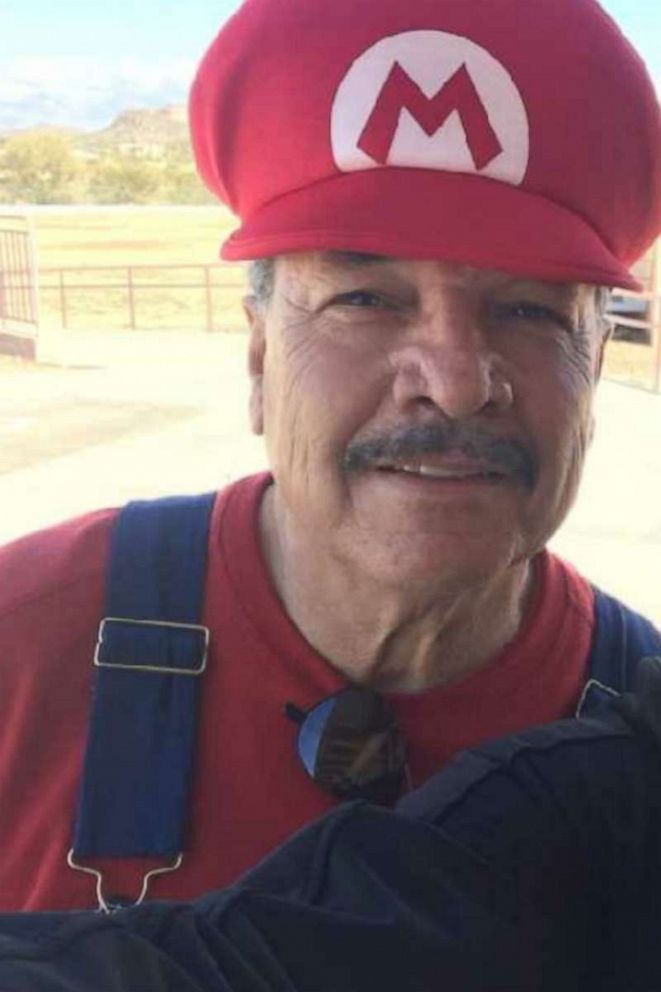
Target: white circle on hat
{"x":430,"y":100}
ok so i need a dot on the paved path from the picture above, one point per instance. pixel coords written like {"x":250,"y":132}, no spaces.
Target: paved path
{"x":143,"y":414}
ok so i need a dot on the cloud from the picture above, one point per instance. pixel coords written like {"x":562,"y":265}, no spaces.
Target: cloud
{"x":86,"y":93}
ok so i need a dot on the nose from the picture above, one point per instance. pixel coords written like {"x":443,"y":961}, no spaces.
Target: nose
{"x":448,"y":365}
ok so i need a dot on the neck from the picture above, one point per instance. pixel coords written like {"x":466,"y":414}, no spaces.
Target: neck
{"x":392,"y":637}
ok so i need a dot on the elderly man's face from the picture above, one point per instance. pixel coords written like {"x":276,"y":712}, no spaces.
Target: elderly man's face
{"x":423,"y":420}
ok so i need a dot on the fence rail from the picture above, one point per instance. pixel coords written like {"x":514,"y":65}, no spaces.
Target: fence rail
{"x":18,"y":301}
{"x":640,"y":313}
{"x":19,"y":315}
{"x":144,"y":296}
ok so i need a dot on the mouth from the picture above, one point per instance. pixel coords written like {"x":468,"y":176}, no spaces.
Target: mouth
{"x":439,"y":454}
{"x":445,"y":472}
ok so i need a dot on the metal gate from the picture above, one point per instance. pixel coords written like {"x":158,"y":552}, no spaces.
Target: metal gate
{"x":19,"y":316}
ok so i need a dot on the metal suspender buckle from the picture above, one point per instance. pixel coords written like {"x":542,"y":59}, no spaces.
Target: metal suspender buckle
{"x":107,"y":907}
{"x":193,"y":628}
{"x":594,"y":696}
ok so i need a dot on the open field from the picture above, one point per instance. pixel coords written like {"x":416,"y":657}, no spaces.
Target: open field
{"x":630,"y":363}
{"x":82,"y":236}
{"x":185,"y":297}
{"x":177,"y":298}
{"x":98,"y":245}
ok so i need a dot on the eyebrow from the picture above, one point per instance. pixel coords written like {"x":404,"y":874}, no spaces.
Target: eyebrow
{"x":356,"y":258}
{"x":570,"y":292}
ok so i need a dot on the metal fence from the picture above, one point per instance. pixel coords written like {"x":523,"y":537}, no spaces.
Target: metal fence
{"x":636,"y":317}
{"x":146,"y":297}
{"x":19,"y":315}
{"x":639,"y":314}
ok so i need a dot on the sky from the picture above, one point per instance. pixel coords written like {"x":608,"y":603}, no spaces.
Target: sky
{"x":78,"y":63}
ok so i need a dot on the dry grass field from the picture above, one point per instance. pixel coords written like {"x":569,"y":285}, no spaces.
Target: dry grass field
{"x":95,"y":247}
{"x":82,"y":236}
{"x":85,"y":240}
{"x":630,"y":363}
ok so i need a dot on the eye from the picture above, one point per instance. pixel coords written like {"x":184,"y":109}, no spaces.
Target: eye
{"x":531,"y":312}
{"x":359,"y":298}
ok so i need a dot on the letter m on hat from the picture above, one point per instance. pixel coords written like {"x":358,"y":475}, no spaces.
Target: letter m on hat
{"x":458,"y":95}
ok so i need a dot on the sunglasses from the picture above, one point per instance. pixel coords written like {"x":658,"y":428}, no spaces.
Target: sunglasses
{"x":351,"y":746}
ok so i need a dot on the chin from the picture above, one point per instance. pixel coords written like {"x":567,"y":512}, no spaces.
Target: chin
{"x":453,"y":563}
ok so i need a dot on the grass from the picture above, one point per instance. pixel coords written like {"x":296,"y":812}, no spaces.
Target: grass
{"x":131,"y":236}
{"x":78,"y":239}
{"x":630,"y":363}
{"x":177,"y":298}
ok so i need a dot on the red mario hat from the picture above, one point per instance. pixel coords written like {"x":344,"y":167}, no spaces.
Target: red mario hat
{"x":508,"y":134}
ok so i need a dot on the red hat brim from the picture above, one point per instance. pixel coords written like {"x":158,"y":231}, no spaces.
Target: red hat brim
{"x":420,"y":214}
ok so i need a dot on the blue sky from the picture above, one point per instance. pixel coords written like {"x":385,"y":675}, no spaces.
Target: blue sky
{"x":79,"y":62}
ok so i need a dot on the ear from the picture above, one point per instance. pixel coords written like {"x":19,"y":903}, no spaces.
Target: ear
{"x":601,"y":351}
{"x":256,"y":354}
{"x":592,"y":426}
{"x":599,"y":364}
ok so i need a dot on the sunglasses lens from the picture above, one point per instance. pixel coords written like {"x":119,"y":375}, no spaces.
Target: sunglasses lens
{"x":351,"y":746}
{"x":312,"y":732}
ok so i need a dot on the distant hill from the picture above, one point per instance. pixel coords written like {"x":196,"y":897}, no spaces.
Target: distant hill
{"x":142,"y":132}
{"x":143,"y":156}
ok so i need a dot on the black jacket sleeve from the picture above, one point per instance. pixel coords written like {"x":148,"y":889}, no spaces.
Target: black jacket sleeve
{"x":530,"y":864}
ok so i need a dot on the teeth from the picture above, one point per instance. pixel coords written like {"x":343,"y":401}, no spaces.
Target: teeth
{"x":447,"y":473}
{"x":435,"y":472}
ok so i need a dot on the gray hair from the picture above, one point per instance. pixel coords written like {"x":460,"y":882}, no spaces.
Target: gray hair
{"x":261,"y":277}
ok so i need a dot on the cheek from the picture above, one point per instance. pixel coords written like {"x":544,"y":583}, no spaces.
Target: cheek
{"x":558,"y":411}
{"x":324,"y":391}
{"x":555,"y":381}
{"x":573,"y":397}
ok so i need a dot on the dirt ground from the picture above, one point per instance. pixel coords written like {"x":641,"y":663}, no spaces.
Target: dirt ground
{"x":107,"y":418}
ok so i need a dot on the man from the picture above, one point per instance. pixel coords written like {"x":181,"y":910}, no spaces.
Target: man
{"x":531,"y":863}
{"x":437,"y":195}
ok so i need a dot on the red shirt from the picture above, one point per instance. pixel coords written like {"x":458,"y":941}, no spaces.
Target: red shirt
{"x":250,"y":790}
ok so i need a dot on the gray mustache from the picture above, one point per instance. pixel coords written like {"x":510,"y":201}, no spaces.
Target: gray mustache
{"x":497,"y":454}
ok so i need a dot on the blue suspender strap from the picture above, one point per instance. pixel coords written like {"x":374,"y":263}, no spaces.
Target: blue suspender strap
{"x":149,"y":659}
{"x":621,"y":640}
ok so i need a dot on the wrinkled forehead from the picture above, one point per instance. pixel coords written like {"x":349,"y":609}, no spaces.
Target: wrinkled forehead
{"x":307,"y":270}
